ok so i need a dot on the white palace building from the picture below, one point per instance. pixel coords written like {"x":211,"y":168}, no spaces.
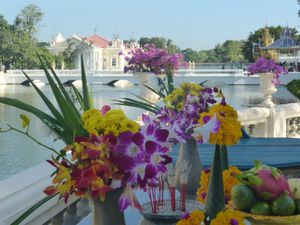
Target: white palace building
{"x":98,"y":53}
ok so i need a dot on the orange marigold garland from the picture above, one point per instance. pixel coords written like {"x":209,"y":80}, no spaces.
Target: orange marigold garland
{"x":230,"y":130}
{"x":229,"y":181}
{"x":197,"y":217}
{"x":228,"y":217}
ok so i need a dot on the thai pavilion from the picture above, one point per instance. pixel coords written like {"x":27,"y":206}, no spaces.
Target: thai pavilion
{"x":285,"y":49}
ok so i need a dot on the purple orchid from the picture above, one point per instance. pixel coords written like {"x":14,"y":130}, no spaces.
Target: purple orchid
{"x":152,"y":59}
{"x":180,"y":124}
{"x":142,"y":156}
{"x":263,"y":65}
{"x":128,"y":198}
{"x":211,"y":125}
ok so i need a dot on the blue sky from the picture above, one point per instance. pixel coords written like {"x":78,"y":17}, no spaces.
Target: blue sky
{"x":197,"y":24}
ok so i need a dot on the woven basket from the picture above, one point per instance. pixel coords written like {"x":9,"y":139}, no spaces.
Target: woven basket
{"x":268,"y":220}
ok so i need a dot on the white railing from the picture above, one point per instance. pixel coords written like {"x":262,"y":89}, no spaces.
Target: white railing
{"x":255,"y":121}
{"x":279,"y":121}
{"x":19,"y":192}
{"x":77,"y":72}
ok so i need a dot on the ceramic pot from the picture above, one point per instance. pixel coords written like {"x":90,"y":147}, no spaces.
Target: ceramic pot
{"x":267,"y":88}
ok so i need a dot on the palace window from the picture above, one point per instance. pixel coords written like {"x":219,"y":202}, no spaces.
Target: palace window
{"x":114,"y":62}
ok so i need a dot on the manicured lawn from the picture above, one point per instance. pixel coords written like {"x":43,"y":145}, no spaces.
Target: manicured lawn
{"x":294,"y":87}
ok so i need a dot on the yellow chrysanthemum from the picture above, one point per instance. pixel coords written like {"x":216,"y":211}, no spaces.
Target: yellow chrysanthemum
{"x":91,"y":118}
{"x":195,"y":218}
{"x":113,"y":122}
{"x":25,"y":120}
{"x":230,"y":130}
{"x":177,"y":97}
{"x":129,"y":125}
{"x":228,"y":217}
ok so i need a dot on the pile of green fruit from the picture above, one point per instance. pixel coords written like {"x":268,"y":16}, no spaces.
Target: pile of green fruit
{"x":265,"y":190}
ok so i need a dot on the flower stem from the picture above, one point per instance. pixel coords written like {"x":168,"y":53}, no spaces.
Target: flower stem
{"x":11,"y":128}
{"x":183,"y":197}
{"x":173,"y":202}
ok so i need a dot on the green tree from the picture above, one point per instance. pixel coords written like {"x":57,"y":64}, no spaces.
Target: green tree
{"x":233,"y":51}
{"x":160,"y":42}
{"x":203,"y":56}
{"x":18,"y":46}
{"x":29,"y":18}
{"x":143,"y":41}
{"x":190,"y":55}
{"x":172,"y":48}
{"x":212,"y":58}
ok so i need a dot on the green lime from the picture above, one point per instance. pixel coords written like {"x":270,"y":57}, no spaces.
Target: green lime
{"x":297,"y":203}
{"x":261,"y":208}
{"x":243,"y":197}
{"x":283,"y":206}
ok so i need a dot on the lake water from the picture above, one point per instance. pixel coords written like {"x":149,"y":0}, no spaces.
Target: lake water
{"x":18,"y":153}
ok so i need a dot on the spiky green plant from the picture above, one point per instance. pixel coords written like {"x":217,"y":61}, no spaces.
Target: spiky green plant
{"x":65,"y":120}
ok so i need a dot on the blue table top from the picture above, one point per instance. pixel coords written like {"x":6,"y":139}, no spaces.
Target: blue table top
{"x":278,"y":152}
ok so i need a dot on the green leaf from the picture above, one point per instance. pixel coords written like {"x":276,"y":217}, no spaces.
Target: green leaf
{"x":225,"y":160}
{"x":162,"y":83}
{"x":63,"y":90}
{"x":32,"y":209}
{"x":78,"y":96}
{"x":51,"y":122}
{"x":49,"y":104}
{"x":170,"y":82}
{"x":215,"y":198}
{"x":146,"y":101}
{"x":135,"y":105}
{"x":142,"y":103}
{"x":155,"y":91}
{"x":85,"y":90}
{"x":67,"y":109}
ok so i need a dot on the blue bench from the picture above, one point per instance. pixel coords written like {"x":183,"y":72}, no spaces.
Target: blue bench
{"x":283,"y":153}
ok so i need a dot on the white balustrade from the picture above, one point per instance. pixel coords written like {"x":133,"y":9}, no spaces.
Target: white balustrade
{"x":19,"y":192}
{"x":278,"y":121}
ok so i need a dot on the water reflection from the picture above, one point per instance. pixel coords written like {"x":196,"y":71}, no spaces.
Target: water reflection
{"x":18,"y":152}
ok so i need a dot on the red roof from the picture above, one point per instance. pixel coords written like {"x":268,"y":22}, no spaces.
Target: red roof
{"x":98,"y":41}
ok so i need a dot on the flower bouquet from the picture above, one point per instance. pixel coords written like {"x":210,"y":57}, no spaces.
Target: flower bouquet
{"x":269,"y":73}
{"x":111,"y":155}
{"x":151,"y":59}
{"x":264,"y":66}
{"x":266,"y":196}
{"x":149,"y":64}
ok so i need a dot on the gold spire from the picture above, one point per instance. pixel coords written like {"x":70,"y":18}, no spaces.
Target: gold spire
{"x":267,"y":41}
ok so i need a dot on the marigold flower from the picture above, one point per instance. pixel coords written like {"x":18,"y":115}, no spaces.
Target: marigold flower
{"x":197,"y":217}
{"x":25,"y":120}
{"x":230,"y":130}
{"x":228,"y":217}
{"x":229,"y":181}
